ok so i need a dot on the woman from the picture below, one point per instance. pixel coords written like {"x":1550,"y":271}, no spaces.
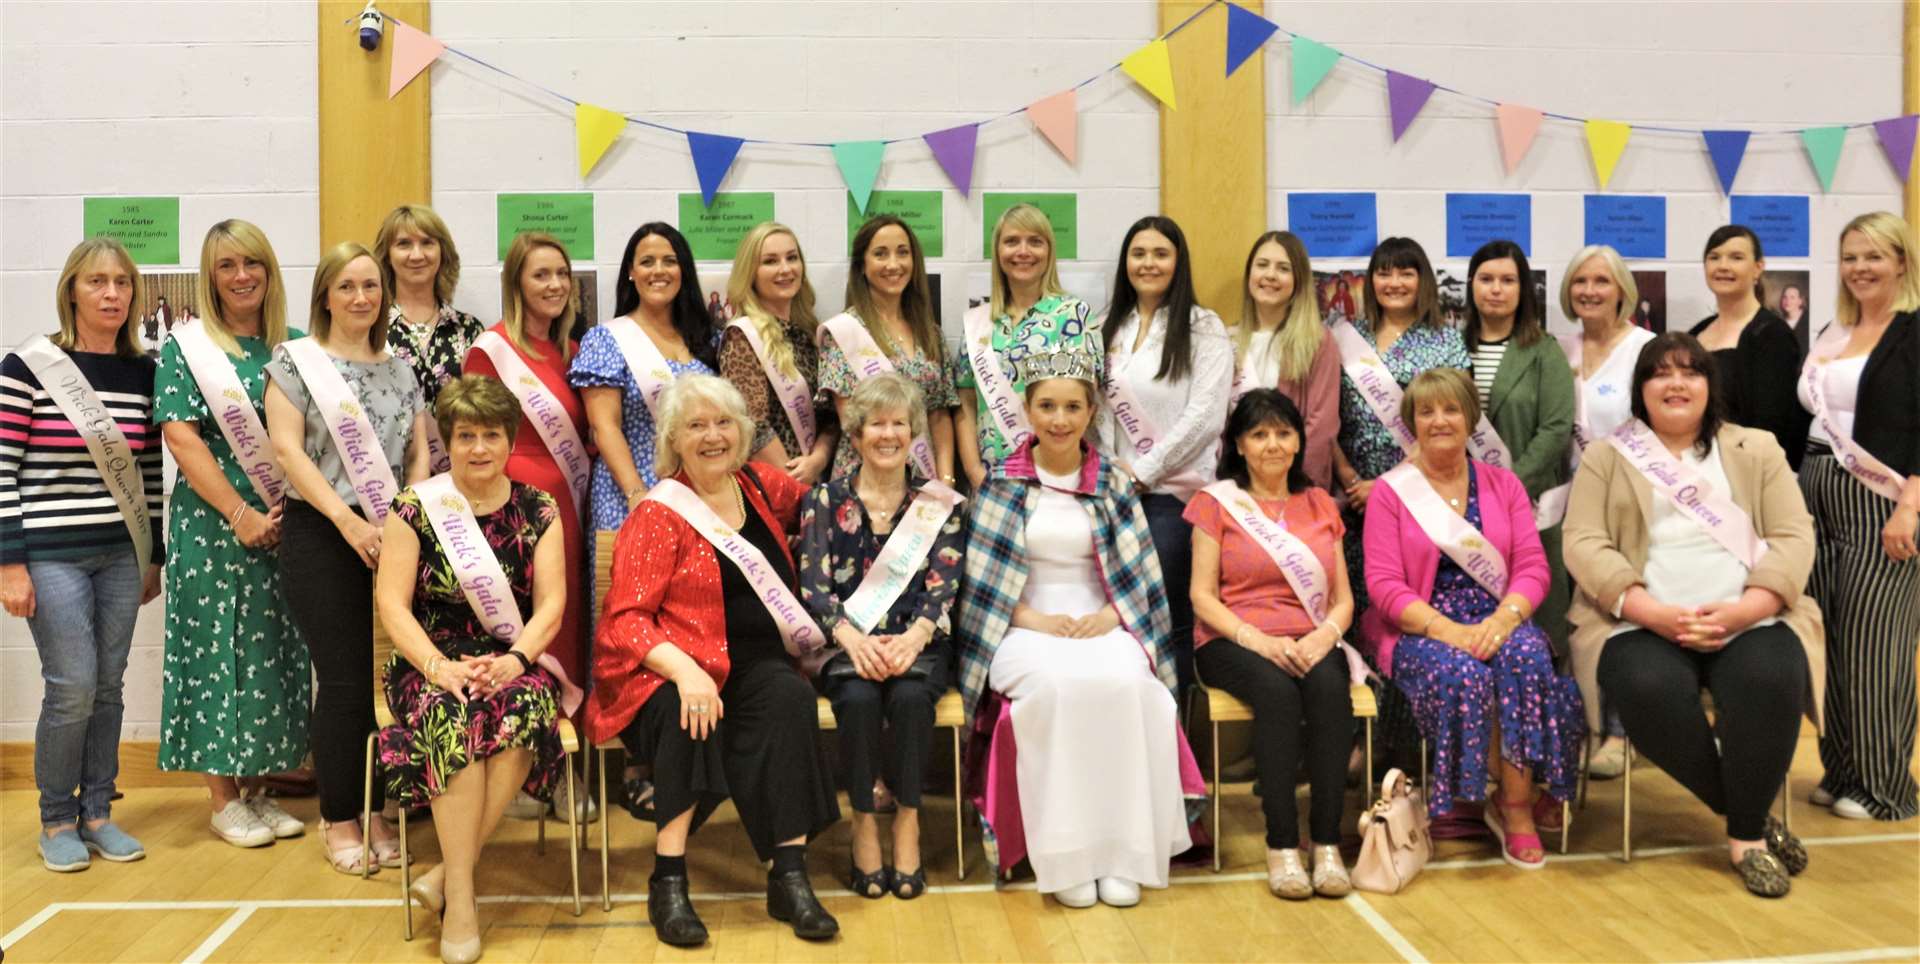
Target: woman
{"x":1681,"y":591}
{"x":768,"y":353}
{"x":81,"y":572}
{"x":1754,"y":349}
{"x":421,"y":267}
{"x":889,"y":326}
{"x":1793,"y":312}
{"x":476,"y":715}
{"x":1455,"y":569}
{"x":343,"y":414}
{"x":1027,"y":311}
{"x":1281,"y":343}
{"x":1169,"y":370}
{"x":1065,"y":651}
{"x":1859,"y":383}
{"x":694,"y":667}
{"x":237,"y":684}
{"x":889,"y":620}
{"x":1286,"y":659}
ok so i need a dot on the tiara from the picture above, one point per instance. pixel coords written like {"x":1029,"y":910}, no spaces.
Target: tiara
{"x":1064,"y":363}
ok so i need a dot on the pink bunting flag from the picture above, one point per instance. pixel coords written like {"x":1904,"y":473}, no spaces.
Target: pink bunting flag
{"x":413,"y":51}
{"x":1518,"y":125}
{"x":1406,"y":94}
{"x":1058,"y":119}
{"x":953,"y":148}
{"x":1896,"y":138}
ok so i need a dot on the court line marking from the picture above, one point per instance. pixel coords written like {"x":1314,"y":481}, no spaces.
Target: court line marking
{"x":1865,"y":954}
{"x":219,"y":936}
{"x":1387,"y":931}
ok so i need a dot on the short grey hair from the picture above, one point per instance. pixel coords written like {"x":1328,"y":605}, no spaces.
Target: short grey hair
{"x":679,"y":399}
{"x":886,"y":392}
{"x":1622,"y":279}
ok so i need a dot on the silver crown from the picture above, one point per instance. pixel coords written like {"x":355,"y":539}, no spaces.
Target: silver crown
{"x":1076,"y":363}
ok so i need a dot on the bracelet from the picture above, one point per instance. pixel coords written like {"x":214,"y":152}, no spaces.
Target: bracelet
{"x":1236,"y":633}
{"x":1518,"y":616}
{"x":526,"y":665}
{"x":433,"y":670}
{"x":238,"y":511}
{"x":1436,"y":617}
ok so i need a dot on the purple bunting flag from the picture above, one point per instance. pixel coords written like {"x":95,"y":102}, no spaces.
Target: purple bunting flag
{"x":953,"y":148}
{"x":1406,"y":94}
{"x":1896,"y":138}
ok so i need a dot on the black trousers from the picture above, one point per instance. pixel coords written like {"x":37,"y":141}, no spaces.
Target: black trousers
{"x":864,"y":709}
{"x":330,"y":596}
{"x":1314,"y":713}
{"x":1757,"y":681}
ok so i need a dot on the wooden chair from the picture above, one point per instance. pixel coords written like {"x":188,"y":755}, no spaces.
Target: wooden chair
{"x":951,"y":714}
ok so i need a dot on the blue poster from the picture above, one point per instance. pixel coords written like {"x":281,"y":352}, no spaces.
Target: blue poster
{"x":1634,"y":224}
{"x":1475,"y":219}
{"x":1779,"y":219}
{"x":1335,"y":225}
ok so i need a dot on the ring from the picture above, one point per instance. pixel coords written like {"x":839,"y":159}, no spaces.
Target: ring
{"x":699,"y":709}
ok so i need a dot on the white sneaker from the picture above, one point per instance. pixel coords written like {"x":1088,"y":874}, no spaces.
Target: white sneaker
{"x":1820,"y":797}
{"x":1851,"y":809}
{"x":525,"y":806}
{"x":1079,"y":895}
{"x":237,"y":825}
{"x":1118,"y":892}
{"x":282,"y":823}
{"x":1609,"y":759}
{"x":585,"y":808}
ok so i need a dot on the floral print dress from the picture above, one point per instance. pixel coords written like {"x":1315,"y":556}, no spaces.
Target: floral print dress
{"x":434,"y":352}
{"x":600,"y":365}
{"x":837,"y":378}
{"x":1053,"y":323}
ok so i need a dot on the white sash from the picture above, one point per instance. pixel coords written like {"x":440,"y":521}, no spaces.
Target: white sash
{"x":649,"y":367}
{"x":901,"y":556}
{"x":544,"y":411}
{"x":1452,"y":533}
{"x":796,"y":399}
{"x":438,"y":459}
{"x":353,"y":433}
{"x":1141,"y":433}
{"x":1689,"y":492}
{"x":798,"y":632}
{"x":478,"y":570}
{"x":1382,"y":393}
{"x":1007,"y":412}
{"x":112,"y":455}
{"x":232,"y":410}
{"x":864,"y":356}
{"x":1860,"y":463}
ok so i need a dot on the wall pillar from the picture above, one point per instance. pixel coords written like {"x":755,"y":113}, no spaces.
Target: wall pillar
{"x":375,"y":153}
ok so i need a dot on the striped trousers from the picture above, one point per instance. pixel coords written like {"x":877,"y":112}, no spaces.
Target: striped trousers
{"x":1872,"y":609}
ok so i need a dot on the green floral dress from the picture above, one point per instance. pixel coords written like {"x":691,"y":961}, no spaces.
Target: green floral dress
{"x":235,"y":682}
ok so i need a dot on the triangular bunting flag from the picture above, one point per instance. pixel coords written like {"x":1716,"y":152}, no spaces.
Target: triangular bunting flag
{"x":1406,"y":94}
{"x":1152,"y":67}
{"x":1246,"y":32}
{"x":1727,"y":148}
{"x":1823,"y":149}
{"x":1058,"y":120}
{"x":953,"y":148}
{"x":1607,"y":140}
{"x":1311,"y":61}
{"x":1518,"y":125}
{"x":712,"y":156}
{"x":595,"y":128}
{"x":859,"y":165}
{"x":413,"y":51}
{"x":1896,"y":138}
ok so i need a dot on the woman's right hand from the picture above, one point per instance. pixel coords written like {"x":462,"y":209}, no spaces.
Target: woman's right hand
{"x":16,"y":590}
{"x":257,"y":531}
{"x":700,"y":707}
{"x":865,"y":652}
{"x":363,"y":536}
{"x":1357,"y":492}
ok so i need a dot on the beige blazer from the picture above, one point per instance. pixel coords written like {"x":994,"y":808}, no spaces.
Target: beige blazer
{"x":1606,"y":548}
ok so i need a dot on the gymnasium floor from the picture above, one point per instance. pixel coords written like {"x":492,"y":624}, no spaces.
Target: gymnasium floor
{"x":195,"y":898}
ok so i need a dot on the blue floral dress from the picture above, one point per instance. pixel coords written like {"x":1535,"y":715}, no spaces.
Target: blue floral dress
{"x":600,"y":365}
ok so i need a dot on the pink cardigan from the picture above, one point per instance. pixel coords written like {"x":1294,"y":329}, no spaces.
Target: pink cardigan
{"x":1402,"y":562}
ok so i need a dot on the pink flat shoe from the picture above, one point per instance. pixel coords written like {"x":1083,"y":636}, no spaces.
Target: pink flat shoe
{"x":1513,"y":845}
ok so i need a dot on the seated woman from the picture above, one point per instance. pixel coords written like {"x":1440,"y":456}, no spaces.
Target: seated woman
{"x":702,"y":625}
{"x":1691,"y":546}
{"x":879,"y":567}
{"x":1264,"y":540}
{"x":476,"y":715}
{"x":1455,"y":570}
{"x":1063,"y":618}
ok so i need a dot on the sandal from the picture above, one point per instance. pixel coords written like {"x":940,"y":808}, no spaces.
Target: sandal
{"x":872,"y":886}
{"x":908,"y":886}
{"x":1513,"y":844}
{"x":346,"y":858}
{"x":1547,"y":815}
{"x":639,"y":797}
{"x":387,"y":852}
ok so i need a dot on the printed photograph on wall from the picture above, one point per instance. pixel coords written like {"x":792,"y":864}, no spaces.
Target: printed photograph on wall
{"x":1787,"y":294}
{"x":586,"y":289}
{"x":1339,"y":292}
{"x":166,"y":302}
{"x":1651,"y":312}
{"x":1453,"y":282}
{"x":713,"y":288}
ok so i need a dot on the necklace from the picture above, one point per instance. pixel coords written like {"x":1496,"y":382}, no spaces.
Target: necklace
{"x":740,"y":502}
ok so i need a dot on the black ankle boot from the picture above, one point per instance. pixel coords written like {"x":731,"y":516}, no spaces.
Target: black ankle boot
{"x":790,"y":898}
{"x":671,"y":912}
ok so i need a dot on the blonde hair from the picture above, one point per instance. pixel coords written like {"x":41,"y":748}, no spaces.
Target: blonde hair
{"x":740,"y":292}
{"x":477,"y":400}
{"x":320,"y":319}
{"x":1622,"y":279}
{"x":679,"y":399}
{"x":82,"y":255}
{"x":513,"y":305}
{"x":1891,"y":234}
{"x":246,"y":238}
{"x":1022,"y":217}
{"x":884,"y":392}
{"x":420,"y":218}
{"x":1298,"y":339}
{"x":1439,"y":385}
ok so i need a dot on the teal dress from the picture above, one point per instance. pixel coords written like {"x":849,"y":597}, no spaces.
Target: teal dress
{"x":236,"y":686}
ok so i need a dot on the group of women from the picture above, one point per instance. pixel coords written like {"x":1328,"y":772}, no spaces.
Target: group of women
{"x":1529,"y":540}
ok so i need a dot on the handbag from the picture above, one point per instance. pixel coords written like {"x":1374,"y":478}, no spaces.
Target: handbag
{"x":1394,"y":843}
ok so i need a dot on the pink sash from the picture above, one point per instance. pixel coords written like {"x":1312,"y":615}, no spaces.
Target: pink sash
{"x":74,"y":396}
{"x":232,"y":410}
{"x":900,"y":557}
{"x":864,"y":356}
{"x":544,"y":411}
{"x":478,"y":570}
{"x":1682,"y":485}
{"x":1860,"y":463}
{"x":1008,"y":412}
{"x":795,"y":398}
{"x":353,"y":434}
{"x":1382,"y":393}
{"x":798,"y":632}
{"x":1453,"y":534}
{"x":1141,"y":434}
{"x":649,"y":367}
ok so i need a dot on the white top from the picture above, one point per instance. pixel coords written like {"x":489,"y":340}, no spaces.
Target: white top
{"x":1686,"y":566}
{"x":1261,"y":360}
{"x":1607,"y":395}
{"x":1187,"y":413}
{"x":1486,"y":364}
{"x":1843,"y":395}
{"x":1061,"y":574}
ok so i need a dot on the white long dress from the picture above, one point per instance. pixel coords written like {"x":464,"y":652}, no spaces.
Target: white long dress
{"x":1098,"y":765}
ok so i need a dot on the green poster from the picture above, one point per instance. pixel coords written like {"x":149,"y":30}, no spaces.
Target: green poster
{"x":568,"y":217}
{"x":715,"y":231}
{"x":922,"y":210}
{"x":148,"y":226}
{"x":1062,"y":209}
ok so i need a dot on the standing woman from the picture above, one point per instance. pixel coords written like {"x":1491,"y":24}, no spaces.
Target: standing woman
{"x":1753,"y":348}
{"x":1859,"y":383}
{"x":237,"y":684}
{"x":1028,"y":311}
{"x":769,"y":354}
{"x":91,"y":557}
{"x":1281,"y":343}
{"x":343,"y":414}
{"x":1169,"y":369}
{"x":889,"y":326}
{"x":420,"y":267}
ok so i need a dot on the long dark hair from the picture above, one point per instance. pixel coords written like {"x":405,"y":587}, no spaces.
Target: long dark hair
{"x":1176,"y":355}
{"x":916,"y":302}
{"x":1527,"y":327}
{"x":1727,"y":232}
{"x":1257,"y":408}
{"x":690,"y":316}
{"x":1679,"y":349}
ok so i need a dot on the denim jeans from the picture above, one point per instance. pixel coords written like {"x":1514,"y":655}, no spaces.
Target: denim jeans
{"x":82,"y":624}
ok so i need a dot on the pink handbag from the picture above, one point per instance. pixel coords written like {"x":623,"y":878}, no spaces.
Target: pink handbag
{"x":1394,"y":842}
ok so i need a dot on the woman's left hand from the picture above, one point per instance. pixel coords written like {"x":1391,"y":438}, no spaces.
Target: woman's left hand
{"x":150,"y":584}
{"x":806,"y":469}
{"x":1897,"y":539}
{"x":1307,"y":651}
{"x":1093,"y":624}
{"x":1485,"y":637}
{"x":495,"y":672}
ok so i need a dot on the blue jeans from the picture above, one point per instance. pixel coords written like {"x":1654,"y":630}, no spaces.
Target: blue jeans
{"x":1173,"y":543}
{"x":82,"y":624}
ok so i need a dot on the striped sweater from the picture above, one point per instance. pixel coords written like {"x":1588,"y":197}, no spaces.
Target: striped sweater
{"x":53,"y":502}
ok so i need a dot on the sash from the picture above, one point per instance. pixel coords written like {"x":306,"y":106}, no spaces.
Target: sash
{"x":543,"y":410}
{"x":798,"y":632}
{"x":1141,"y":434}
{"x":438,"y":459}
{"x":1004,"y":408}
{"x":1870,"y":471}
{"x":864,"y":356}
{"x":1382,"y":393}
{"x":796,"y":399}
{"x":353,"y":434}
{"x":1242,"y":382}
{"x":1552,"y":507}
{"x":232,"y":410}
{"x":900,"y":557}
{"x":1465,"y":545}
{"x":112,"y":455}
{"x":650,"y":369}
{"x":478,"y":571}
{"x":1682,"y":485}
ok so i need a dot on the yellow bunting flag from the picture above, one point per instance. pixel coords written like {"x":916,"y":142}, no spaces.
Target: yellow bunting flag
{"x":1607,"y":140}
{"x":1152,"y":67}
{"x":596,"y":128}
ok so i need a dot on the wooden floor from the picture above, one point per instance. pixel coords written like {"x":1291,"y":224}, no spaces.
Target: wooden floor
{"x":195,"y":898}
